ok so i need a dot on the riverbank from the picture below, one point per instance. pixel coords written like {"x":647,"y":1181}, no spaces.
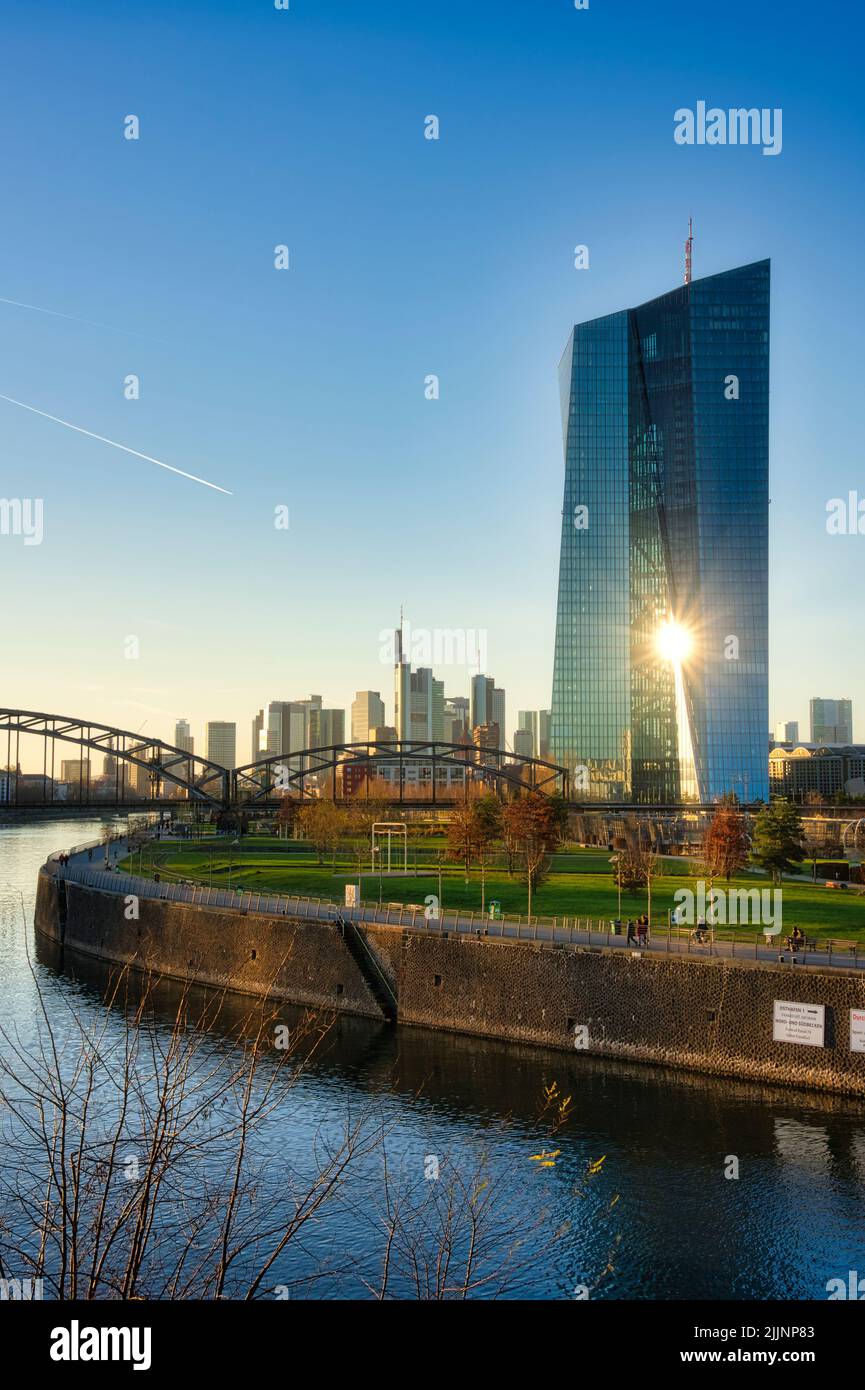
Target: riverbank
{"x":711,"y":1014}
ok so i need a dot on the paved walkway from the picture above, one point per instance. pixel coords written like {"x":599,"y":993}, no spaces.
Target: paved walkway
{"x":96,"y":865}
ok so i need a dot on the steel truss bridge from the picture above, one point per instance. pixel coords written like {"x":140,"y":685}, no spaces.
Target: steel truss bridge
{"x":148,"y":773}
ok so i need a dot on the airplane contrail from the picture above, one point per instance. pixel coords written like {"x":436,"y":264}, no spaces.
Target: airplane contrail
{"x":113,"y":442}
{"x":55,"y":313}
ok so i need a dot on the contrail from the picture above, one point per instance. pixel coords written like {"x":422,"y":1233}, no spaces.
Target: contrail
{"x":55,"y":313}
{"x":113,"y":442}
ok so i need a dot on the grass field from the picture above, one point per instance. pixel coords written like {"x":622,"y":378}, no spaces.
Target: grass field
{"x":580,"y":884}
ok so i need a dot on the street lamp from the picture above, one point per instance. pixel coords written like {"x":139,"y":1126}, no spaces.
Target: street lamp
{"x":617,"y":860}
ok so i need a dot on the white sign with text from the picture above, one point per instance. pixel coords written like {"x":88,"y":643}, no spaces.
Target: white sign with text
{"x":799,"y":1023}
{"x":857,"y":1030}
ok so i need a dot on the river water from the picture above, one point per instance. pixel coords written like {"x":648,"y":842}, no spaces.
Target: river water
{"x":659,"y":1210}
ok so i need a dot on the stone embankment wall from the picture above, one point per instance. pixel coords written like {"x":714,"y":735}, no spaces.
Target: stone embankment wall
{"x":708,"y":1015}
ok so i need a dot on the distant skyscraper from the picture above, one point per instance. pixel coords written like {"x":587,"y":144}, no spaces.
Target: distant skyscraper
{"x":222,"y":743}
{"x":660,"y":683}
{"x":257,"y":729}
{"x":831,"y":721}
{"x":401,"y":689}
{"x":787,"y":732}
{"x":499,"y":712}
{"x":527,"y":723}
{"x":326,"y":727}
{"x":524,"y":743}
{"x":544,"y":733}
{"x":367,"y":712}
{"x":183,"y":736}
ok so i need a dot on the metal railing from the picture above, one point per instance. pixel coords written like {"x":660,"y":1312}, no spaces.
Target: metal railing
{"x":573,"y":931}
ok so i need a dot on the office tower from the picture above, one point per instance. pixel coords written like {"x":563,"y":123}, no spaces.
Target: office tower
{"x":524,"y":743}
{"x":544,"y":733}
{"x":183,"y":736}
{"x":426,"y":703}
{"x":831,"y":721}
{"x":109,"y":762}
{"x":256,"y":740}
{"x":486,"y":736}
{"x":383,"y":733}
{"x":401,"y":689}
{"x":498,"y":715}
{"x":457,"y":710}
{"x":482,"y":700}
{"x":527,"y":723}
{"x":75,"y":770}
{"x":660,"y":685}
{"x":222,"y":743}
{"x":326,"y":726}
{"x":367,"y":712}
{"x":787,"y":732}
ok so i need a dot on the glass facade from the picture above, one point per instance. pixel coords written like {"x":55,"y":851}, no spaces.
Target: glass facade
{"x":660,"y":682}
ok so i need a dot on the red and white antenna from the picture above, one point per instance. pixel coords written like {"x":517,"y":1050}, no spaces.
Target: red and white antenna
{"x":689,"y":249}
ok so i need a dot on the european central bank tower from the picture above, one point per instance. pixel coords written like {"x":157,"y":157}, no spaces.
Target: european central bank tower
{"x":660,"y":681}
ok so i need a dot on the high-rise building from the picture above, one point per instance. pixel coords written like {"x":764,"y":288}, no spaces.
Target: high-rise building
{"x":75,"y":770}
{"x":831,"y":721}
{"x":660,"y":682}
{"x":482,"y":700}
{"x":222,"y":743}
{"x":401,"y":689}
{"x":499,"y":712}
{"x":544,"y":733}
{"x":183,"y":736}
{"x":257,"y":730}
{"x":524,"y":743}
{"x":787,"y":731}
{"x":457,"y":712}
{"x":326,"y":727}
{"x":527,"y":723}
{"x":367,"y":712}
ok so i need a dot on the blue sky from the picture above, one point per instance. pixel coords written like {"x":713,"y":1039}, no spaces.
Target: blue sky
{"x":408,"y":257}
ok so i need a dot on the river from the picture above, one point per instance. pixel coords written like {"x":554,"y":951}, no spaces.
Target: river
{"x":660,"y":1210}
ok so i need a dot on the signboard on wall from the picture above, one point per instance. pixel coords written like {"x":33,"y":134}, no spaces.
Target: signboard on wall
{"x":793,"y":1022}
{"x":857,"y":1030}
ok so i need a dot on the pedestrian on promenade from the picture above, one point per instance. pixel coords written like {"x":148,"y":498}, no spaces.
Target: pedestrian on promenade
{"x":632,"y":937}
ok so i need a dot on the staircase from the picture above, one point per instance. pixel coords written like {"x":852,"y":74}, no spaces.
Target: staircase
{"x":369,"y":968}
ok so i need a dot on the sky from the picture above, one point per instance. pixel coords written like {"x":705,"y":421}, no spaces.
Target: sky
{"x":305,"y":388}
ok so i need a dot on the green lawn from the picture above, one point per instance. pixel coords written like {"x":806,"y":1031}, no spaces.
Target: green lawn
{"x":580,"y":884}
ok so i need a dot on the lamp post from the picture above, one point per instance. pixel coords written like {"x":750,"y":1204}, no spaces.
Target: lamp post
{"x":617,"y":860}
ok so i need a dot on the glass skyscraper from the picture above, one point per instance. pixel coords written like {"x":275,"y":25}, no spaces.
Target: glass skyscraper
{"x":660,"y":682}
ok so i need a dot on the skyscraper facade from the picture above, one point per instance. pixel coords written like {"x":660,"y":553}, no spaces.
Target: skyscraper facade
{"x":222,"y":743}
{"x":367,"y":712}
{"x":660,"y":682}
{"x":831,"y":721}
{"x":183,"y":736}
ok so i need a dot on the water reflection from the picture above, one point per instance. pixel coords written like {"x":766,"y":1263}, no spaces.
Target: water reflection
{"x":790,"y":1221}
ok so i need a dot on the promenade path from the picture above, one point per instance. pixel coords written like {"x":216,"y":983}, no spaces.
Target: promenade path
{"x":95,"y":866}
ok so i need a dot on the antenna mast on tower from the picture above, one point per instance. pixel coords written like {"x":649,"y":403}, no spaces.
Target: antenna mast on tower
{"x":689,"y":248}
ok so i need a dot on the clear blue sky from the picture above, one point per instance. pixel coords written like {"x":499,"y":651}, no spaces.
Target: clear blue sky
{"x":408,"y":257}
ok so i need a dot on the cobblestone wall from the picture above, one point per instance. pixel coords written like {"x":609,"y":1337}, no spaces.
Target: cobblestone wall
{"x":704,"y":1015}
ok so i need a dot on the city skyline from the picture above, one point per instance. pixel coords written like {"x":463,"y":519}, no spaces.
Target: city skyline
{"x":248,"y":378}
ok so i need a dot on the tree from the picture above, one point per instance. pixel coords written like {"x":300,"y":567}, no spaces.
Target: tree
{"x":286,"y":816}
{"x":472,"y":831}
{"x":324,"y":825}
{"x":777,"y":839}
{"x":532,"y":824}
{"x":725,"y":843}
{"x":635,"y":868}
